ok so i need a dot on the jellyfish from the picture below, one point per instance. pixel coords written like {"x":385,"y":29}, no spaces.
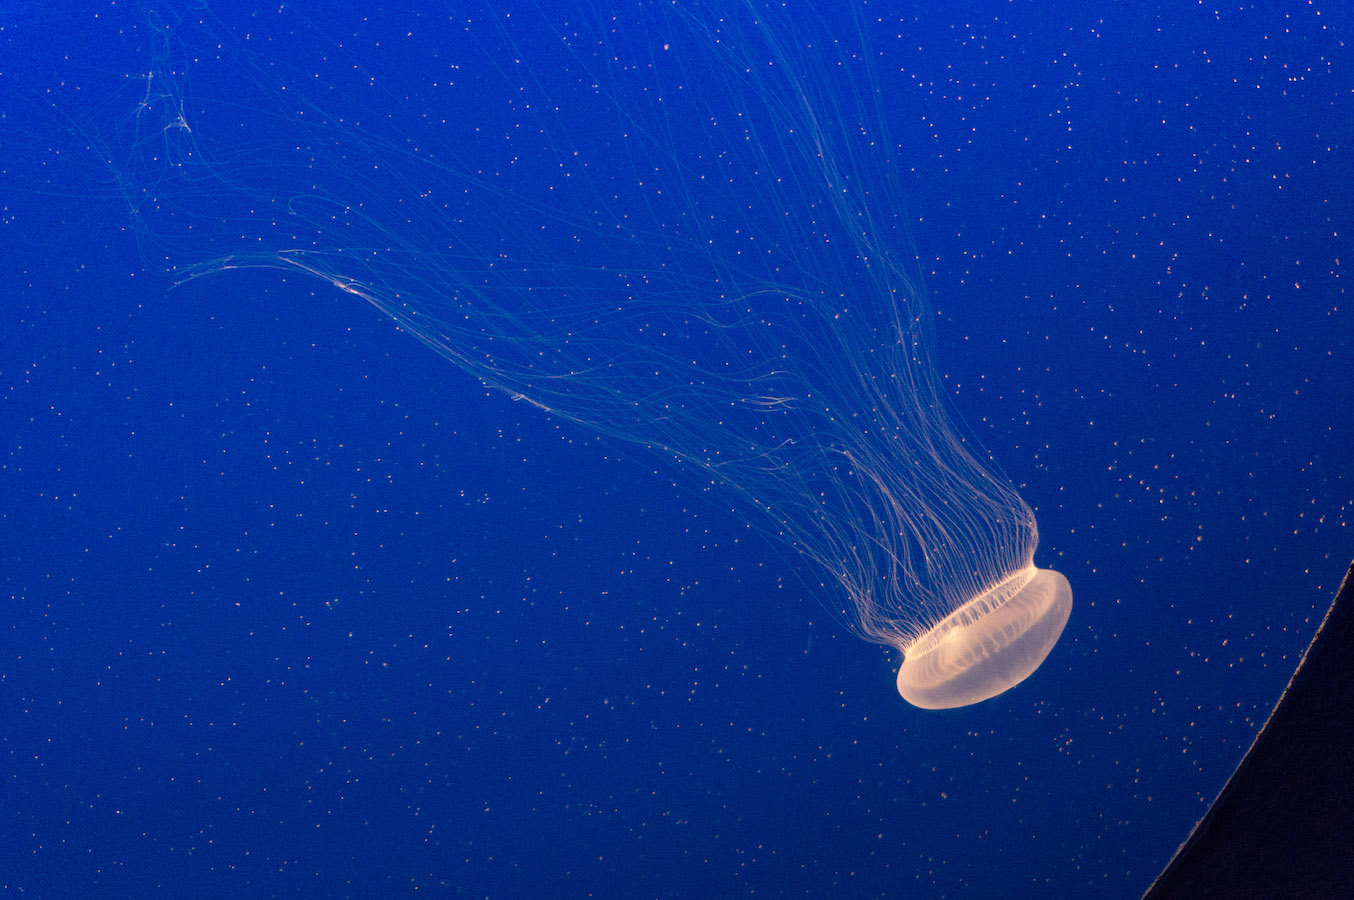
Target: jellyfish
{"x":680,"y":226}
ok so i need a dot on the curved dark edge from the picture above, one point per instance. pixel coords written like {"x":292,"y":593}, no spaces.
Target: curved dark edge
{"x":1283,"y":825}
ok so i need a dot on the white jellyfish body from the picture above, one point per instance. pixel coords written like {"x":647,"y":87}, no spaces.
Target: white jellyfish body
{"x":989,"y":644}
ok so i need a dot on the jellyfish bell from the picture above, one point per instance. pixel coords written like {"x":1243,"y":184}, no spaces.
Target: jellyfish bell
{"x":989,"y":644}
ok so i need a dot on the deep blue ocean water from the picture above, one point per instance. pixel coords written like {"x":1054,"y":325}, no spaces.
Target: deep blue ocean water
{"x":294,"y":606}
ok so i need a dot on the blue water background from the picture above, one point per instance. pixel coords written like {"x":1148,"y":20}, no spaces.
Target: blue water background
{"x":293,"y":606}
